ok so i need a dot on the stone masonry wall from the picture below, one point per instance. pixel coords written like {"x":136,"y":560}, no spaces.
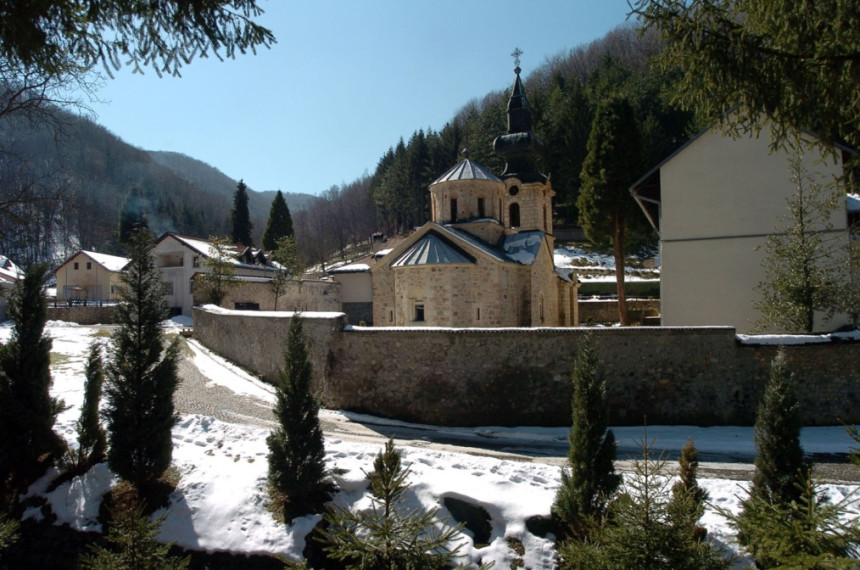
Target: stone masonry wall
{"x":697,"y":376}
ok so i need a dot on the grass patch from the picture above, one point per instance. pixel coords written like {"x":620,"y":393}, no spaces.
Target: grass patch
{"x":102,"y":333}
{"x":59,"y":359}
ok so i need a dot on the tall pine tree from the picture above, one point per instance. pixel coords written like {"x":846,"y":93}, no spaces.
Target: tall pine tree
{"x":280,"y":223}
{"x":614,"y":160}
{"x":590,"y":479}
{"x":141,"y":374}
{"x":297,"y":471}
{"x":27,"y":410}
{"x":240,"y":218}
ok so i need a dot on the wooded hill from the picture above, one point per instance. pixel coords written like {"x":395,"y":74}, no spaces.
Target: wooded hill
{"x":81,"y":174}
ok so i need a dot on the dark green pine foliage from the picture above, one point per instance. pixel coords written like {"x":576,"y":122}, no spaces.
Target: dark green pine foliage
{"x":131,"y":543}
{"x":280,"y":224}
{"x":240,"y":218}
{"x":92,"y":440}
{"x":647,"y":527}
{"x":296,"y":452}
{"x":780,"y":466}
{"x":590,"y":480}
{"x":132,"y":217}
{"x":27,"y":410}
{"x":854,"y":453}
{"x":389,"y":536}
{"x":141,"y":375}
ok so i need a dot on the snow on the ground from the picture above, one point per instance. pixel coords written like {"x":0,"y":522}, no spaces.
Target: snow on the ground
{"x":220,"y":501}
{"x":599,"y":267}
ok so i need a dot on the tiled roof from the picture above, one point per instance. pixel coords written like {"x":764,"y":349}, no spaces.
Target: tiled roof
{"x":467,"y":170}
{"x":432,"y":248}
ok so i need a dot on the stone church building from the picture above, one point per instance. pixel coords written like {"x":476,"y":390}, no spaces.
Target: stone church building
{"x":486,"y":258}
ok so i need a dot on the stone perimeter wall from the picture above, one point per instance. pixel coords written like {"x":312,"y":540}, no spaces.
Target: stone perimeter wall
{"x":696,"y":376}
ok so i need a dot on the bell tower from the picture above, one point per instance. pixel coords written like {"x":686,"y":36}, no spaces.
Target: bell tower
{"x":527,"y":204}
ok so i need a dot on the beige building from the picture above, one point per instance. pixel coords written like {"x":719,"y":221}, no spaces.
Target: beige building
{"x":88,"y":276}
{"x":486,"y":258}
{"x":713,"y":203}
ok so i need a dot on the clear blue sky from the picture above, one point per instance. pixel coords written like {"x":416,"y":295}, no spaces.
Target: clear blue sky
{"x":345,"y":81}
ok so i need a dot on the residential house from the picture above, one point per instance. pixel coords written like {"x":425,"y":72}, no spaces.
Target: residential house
{"x":181,"y":257}
{"x":713,"y":202}
{"x":90,"y":277}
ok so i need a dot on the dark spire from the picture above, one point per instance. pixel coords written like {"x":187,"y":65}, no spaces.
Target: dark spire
{"x":520,"y":147}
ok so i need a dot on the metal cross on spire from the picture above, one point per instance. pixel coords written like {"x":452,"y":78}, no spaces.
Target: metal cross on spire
{"x":516,"y":55}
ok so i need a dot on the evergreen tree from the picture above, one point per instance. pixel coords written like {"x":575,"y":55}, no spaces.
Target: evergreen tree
{"x":280,"y":223}
{"x":240,"y":218}
{"x":9,"y":535}
{"x":141,"y":375}
{"x":779,"y":459}
{"x":647,"y":527}
{"x":287,"y":265}
{"x":687,"y":488}
{"x":854,"y":453}
{"x":297,"y":471}
{"x":802,"y":271}
{"x":793,"y":64}
{"x":590,"y":480}
{"x":220,"y":277}
{"x":132,"y":217}
{"x":389,"y":536}
{"x":92,"y":441}
{"x":614,"y":161}
{"x":132,"y":544}
{"x":809,"y":533}
{"x":27,"y":410}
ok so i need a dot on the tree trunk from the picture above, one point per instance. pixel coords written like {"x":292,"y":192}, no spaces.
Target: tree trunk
{"x":618,"y":246}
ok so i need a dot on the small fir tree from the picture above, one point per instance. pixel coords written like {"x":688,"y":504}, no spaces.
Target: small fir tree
{"x":240,"y":218}
{"x":9,"y":534}
{"x":687,"y":487}
{"x":27,"y":409}
{"x":141,"y":375}
{"x":806,"y":263}
{"x":280,"y":224}
{"x":810,"y":532}
{"x":854,"y":453}
{"x":220,"y":275}
{"x":590,"y":479}
{"x":131,"y":542}
{"x":647,"y":527}
{"x":92,"y":441}
{"x":297,"y":471}
{"x":779,"y":457}
{"x":285,"y":258}
{"x":388,"y":535}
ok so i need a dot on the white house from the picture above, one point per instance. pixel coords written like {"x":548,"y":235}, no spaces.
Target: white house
{"x":181,"y":257}
{"x":88,"y":276}
{"x":713,"y":202}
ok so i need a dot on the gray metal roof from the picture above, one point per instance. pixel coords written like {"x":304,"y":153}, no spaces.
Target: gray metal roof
{"x":432,"y":249}
{"x":467,"y":169}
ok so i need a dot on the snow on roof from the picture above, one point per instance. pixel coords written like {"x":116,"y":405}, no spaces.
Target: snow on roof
{"x":382,"y":253}
{"x":109,"y":262}
{"x":8,"y":270}
{"x":352,"y":268}
{"x":523,"y":247}
{"x":852,"y":202}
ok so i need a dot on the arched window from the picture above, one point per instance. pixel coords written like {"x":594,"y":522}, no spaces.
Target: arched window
{"x":514,"y":215}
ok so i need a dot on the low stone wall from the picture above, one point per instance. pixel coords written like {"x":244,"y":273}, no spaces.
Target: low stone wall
{"x":83,"y":315}
{"x":296,"y":296}
{"x":606,"y":310}
{"x":698,"y":376}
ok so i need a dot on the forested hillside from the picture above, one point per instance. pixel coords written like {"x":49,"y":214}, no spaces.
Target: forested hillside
{"x":78,"y":176}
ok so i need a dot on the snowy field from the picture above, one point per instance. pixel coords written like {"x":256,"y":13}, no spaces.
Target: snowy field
{"x":220,"y":502}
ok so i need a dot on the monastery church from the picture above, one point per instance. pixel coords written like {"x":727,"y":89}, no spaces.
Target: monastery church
{"x":486,"y":258}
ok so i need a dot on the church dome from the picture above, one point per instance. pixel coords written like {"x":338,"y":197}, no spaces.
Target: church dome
{"x":466,"y":169}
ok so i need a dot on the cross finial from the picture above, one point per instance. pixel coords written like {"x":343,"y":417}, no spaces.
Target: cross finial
{"x":516,"y":55}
